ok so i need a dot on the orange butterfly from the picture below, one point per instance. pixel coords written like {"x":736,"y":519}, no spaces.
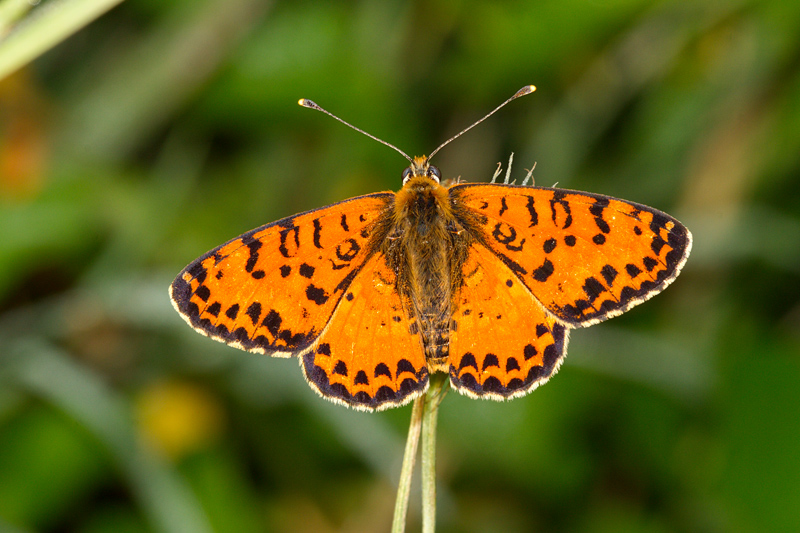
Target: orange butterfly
{"x":482,"y":281}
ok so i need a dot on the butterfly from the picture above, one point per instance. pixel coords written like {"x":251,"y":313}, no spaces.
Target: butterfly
{"x":482,"y":281}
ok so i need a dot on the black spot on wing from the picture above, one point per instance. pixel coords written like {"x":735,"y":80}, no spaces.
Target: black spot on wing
{"x":382,"y":370}
{"x":632,"y":270}
{"x":544,"y":271}
{"x":290,"y":240}
{"x":558,"y":200}
{"x":203,"y":293}
{"x":316,"y":294}
{"x":306,"y":270}
{"x":529,"y":351}
{"x":503,"y":206}
{"x":609,"y":274}
{"x":317,"y":232}
{"x":404,"y":365}
{"x":347,"y":250}
{"x":254,"y":312}
{"x":597,"y":210}
{"x":198,"y":272}
{"x":272,"y":322}
{"x":468,"y":360}
{"x":254,"y":246}
{"x":340,"y":368}
{"x":506,"y":235}
{"x":534,"y":216}
{"x":490,"y":360}
{"x":593,"y":288}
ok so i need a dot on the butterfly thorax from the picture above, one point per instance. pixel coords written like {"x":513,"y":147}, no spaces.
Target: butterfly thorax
{"x":420,"y":249}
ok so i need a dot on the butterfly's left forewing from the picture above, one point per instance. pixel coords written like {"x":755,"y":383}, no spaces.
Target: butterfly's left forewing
{"x":274,"y":289}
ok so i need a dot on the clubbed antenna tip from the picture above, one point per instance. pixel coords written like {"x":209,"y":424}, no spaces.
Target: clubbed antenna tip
{"x":528,"y":89}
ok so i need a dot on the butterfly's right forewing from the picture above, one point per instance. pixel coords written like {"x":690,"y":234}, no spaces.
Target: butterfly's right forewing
{"x":586,"y":257}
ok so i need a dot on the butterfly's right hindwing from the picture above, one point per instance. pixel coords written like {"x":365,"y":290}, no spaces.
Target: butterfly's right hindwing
{"x":370,"y":355}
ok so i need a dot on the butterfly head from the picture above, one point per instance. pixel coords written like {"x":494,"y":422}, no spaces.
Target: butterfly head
{"x":420,"y":167}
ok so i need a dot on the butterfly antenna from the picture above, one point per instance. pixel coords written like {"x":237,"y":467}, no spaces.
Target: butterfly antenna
{"x":528,"y":89}
{"x":313,"y":105}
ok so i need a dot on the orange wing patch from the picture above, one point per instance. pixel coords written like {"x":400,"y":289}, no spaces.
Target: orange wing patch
{"x":273,"y":289}
{"x":503,"y":344}
{"x":586,"y":257}
{"x":370,"y":355}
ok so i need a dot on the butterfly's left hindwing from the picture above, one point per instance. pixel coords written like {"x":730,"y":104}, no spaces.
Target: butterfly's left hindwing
{"x":585,"y":257}
{"x":273,"y":289}
{"x":503,"y":344}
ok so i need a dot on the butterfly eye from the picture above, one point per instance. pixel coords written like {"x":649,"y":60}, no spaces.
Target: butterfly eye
{"x":407,"y":174}
{"x":434,"y":173}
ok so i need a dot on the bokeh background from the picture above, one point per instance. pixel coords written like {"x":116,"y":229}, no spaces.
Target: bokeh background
{"x":166,"y":128}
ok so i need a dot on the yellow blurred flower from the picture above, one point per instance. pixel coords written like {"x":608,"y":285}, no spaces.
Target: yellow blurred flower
{"x":178,"y":418}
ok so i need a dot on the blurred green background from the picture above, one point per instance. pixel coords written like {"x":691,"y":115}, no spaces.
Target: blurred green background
{"x":166,"y":128}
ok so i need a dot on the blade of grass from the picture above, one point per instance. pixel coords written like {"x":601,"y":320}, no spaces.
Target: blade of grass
{"x":45,"y":27}
{"x":10,"y":12}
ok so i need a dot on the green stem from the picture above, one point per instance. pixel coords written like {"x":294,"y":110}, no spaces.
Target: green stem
{"x":433,"y":398}
{"x":406,"y":471}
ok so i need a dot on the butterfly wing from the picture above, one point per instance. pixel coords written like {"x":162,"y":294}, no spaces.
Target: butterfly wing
{"x":503,"y":343}
{"x":274,"y":289}
{"x":370,"y":355}
{"x":585,"y":257}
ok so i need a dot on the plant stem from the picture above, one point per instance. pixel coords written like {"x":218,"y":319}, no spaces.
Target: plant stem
{"x":432,"y":399}
{"x":406,"y":471}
